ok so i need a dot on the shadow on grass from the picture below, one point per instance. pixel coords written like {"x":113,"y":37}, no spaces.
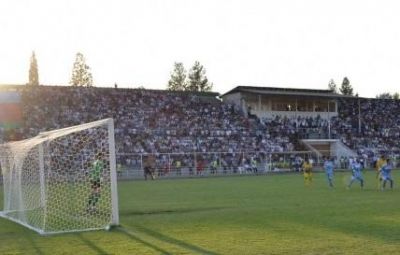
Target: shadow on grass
{"x":33,"y":244}
{"x":174,"y":241}
{"x":137,"y":239}
{"x":178,"y":210}
{"x":367,"y":228}
{"x":91,"y":245}
{"x":23,"y":233}
{"x":372,"y":229}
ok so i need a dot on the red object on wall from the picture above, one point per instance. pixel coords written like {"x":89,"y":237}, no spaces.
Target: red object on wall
{"x":10,"y":113}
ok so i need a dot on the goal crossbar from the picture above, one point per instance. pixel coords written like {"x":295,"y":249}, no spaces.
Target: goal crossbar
{"x":62,"y":180}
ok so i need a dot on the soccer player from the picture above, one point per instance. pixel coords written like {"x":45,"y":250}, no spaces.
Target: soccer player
{"x":356,"y":173}
{"x":328,"y":166}
{"x":149,"y":165}
{"x":178,"y":167}
{"x":200,"y":166}
{"x":253,"y":163}
{"x":307,"y":172}
{"x":297,"y":163}
{"x":95,"y":178}
{"x":214,"y":166}
{"x":379,"y":164}
{"x":386,"y":174}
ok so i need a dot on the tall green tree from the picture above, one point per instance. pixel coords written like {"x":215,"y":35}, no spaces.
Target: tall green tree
{"x":33,"y":71}
{"x":396,"y":96}
{"x":81,"y":75}
{"x":332,"y":86}
{"x":385,"y":95}
{"x":197,"y":79}
{"x":346,"y":88}
{"x":178,"y":78}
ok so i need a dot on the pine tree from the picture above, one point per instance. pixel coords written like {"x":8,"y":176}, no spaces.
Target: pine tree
{"x":385,"y":95}
{"x":178,"y":78}
{"x":81,"y":75}
{"x":33,"y":71}
{"x":332,"y":86}
{"x":396,"y":96}
{"x":197,"y":79}
{"x":346,"y":88}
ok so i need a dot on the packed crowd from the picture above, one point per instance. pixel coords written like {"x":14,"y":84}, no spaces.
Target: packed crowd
{"x":159,"y":122}
{"x":298,"y":127}
{"x":148,"y":121}
{"x":369,"y":126}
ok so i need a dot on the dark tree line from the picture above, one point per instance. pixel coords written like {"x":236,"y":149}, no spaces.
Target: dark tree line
{"x":345,"y":88}
{"x":196,"y":80}
{"x":81,"y":75}
{"x":180,"y":79}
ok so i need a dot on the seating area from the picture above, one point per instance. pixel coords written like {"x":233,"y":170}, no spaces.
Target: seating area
{"x":164,"y":122}
{"x":379,"y":129}
{"x":150,"y":121}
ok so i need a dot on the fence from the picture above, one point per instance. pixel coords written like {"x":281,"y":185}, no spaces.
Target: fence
{"x":170,"y":165}
{"x":197,"y":164}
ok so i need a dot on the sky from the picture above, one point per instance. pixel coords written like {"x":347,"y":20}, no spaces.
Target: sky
{"x":282,"y":43}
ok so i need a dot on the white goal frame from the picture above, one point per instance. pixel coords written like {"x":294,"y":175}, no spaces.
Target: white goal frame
{"x":13,"y":156}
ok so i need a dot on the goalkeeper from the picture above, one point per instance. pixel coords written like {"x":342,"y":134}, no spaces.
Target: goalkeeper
{"x":95,"y":178}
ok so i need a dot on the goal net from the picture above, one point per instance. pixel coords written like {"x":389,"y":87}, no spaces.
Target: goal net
{"x":62,"y":180}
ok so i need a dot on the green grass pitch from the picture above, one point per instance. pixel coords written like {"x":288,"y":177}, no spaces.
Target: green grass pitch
{"x":272,"y":214}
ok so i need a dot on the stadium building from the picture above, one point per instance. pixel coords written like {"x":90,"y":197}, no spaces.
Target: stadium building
{"x":267,"y":102}
{"x":185,"y":126}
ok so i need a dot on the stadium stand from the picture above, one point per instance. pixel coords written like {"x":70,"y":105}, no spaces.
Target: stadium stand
{"x":369,"y":126}
{"x":150,"y":121}
{"x":164,"y":122}
{"x":157,"y":122}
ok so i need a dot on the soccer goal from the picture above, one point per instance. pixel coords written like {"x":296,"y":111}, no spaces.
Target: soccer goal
{"x":63,"y":180}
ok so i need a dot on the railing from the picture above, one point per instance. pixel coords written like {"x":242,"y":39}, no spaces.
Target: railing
{"x":198,"y":164}
{"x":170,"y":165}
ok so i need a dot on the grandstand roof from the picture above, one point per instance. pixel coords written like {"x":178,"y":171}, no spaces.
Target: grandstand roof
{"x":285,"y":91}
{"x":5,"y":87}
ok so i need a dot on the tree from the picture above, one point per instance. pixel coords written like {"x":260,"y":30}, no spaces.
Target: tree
{"x":396,"y":96}
{"x":33,"y":71}
{"x":81,"y":75}
{"x":178,"y":78}
{"x":346,"y":88}
{"x":332,"y":86}
{"x":385,"y":95}
{"x":197,"y":79}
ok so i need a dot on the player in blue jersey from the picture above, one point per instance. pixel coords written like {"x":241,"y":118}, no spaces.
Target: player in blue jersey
{"x":356,"y":173}
{"x":328,"y":166}
{"x":386,"y":173}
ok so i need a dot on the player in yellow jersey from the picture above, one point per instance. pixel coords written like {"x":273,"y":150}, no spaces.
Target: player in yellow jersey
{"x":379,"y":164}
{"x":307,"y":172}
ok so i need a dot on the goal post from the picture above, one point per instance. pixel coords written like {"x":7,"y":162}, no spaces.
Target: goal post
{"x":62,"y":180}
